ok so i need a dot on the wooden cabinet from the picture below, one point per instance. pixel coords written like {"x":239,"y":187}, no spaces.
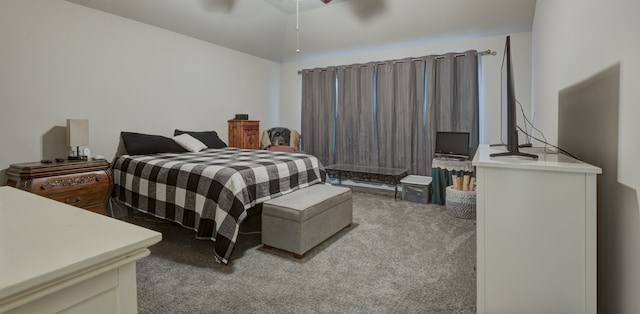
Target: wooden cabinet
{"x":536,"y":233}
{"x":86,"y":184}
{"x":244,"y":134}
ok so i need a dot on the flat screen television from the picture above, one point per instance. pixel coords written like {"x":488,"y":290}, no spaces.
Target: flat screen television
{"x":452,"y":145}
{"x":509,"y":128}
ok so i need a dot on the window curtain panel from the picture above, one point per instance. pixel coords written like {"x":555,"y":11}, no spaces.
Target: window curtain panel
{"x":395,"y":117}
{"x":422,"y":149}
{"x":387,"y":114}
{"x":454,"y":99}
{"x":318,"y":113}
{"x":355,"y":119}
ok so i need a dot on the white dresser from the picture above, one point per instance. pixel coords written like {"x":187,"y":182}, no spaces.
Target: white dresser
{"x":56,"y":258}
{"x":536,"y":233}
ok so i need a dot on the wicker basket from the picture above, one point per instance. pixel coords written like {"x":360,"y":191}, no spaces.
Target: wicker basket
{"x":461,"y":204}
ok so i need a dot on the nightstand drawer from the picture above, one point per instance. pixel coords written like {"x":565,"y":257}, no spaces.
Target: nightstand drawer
{"x":81,"y":190}
{"x":80,"y":198}
{"x":88,"y":182}
{"x":85,"y":184}
{"x":251,"y":128}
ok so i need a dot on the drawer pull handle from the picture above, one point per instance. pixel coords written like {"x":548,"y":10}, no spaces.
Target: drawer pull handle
{"x":68,"y":201}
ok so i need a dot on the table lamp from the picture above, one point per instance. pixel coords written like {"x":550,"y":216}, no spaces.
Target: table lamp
{"x":77,"y":135}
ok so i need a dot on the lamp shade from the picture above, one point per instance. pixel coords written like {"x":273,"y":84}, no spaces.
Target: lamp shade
{"x":77,"y":132}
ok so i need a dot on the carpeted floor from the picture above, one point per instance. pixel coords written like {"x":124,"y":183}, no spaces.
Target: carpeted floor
{"x":397,"y":257}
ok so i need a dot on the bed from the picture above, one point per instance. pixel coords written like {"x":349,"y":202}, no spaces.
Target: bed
{"x":211,"y":191}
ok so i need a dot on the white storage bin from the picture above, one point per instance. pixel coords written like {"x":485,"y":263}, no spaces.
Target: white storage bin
{"x":416,"y":189}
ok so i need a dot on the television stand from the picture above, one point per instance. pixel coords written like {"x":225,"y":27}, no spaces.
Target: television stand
{"x":514,"y":153}
{"x":521,"y":145}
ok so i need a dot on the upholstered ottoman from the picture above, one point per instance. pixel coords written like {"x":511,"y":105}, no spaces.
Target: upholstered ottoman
{"x":302,"y":219}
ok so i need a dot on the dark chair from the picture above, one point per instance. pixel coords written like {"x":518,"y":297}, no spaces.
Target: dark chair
{"x":280,"y":139}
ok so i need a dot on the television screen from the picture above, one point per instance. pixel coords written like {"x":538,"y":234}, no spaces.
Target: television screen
{"x":452,"y":144}
{"x":509,"y":127}
{"x":505,"y":81}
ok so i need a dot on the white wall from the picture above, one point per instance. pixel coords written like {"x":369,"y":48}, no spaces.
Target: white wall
{"x":59,"y":60}
{"x":574,"y":40}
{"x":490,"y":96}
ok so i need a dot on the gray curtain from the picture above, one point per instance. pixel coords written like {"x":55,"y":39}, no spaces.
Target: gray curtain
{"x":355,"y":121}
{"x":452,"y":95}
{"x":387,"y":114}
{"x":318,"y":113}
{"x":422,"y":151}
{"x":395,"y":115}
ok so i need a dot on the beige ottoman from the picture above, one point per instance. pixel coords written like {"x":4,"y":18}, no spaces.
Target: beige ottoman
{"x":302,"y":219}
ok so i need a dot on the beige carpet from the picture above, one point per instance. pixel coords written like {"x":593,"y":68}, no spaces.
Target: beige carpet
{"x":397,"y":257}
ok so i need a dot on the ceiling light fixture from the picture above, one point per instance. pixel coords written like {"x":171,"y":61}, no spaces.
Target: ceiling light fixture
{"x":298,"y":23}
{"x":298,"y":26}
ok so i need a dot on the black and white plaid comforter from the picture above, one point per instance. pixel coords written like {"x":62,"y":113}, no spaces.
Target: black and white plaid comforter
{"x":211,"y":191}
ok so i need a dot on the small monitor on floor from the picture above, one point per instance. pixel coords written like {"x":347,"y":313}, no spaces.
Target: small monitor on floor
{"x":452,"y":145}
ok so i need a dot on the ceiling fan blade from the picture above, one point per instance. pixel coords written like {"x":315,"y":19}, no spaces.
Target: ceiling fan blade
{"x":325,"y":1}
{"x":367,"y":9}
{"x":217,"y":5}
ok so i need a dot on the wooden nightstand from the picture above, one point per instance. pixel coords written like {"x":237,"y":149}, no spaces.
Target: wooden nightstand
{"x":86,"y":184}
{"x":244,"y":134}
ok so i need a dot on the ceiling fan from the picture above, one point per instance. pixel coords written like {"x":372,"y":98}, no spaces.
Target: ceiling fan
{"x":362,"y":9}
{"x":227,"y":5}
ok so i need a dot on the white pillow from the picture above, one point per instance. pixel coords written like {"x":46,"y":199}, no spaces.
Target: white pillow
{"x":189,"y":143}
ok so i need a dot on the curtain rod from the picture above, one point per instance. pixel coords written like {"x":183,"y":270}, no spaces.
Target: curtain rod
{"x":479,"y":53}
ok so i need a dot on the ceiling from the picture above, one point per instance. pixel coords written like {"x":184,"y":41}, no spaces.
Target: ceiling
{"x":266,"y":28}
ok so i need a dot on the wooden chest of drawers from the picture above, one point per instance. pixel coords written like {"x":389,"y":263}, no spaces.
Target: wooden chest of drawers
{"x":244,"y":134}
{"x":86,"y":184}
